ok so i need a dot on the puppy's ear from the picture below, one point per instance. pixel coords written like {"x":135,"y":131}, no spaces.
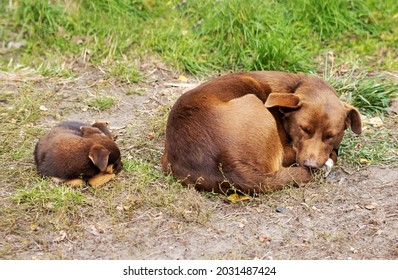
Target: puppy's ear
{"x":103,"y":126}
{"x":353,"y":119}
{"x":99,"y":155}
{"x":89,"y":130}
{"x":284,"y":100}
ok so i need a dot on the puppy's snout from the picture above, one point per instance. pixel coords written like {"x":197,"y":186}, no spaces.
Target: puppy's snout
{"x":310,"y":163}
{"x":119,"y":167}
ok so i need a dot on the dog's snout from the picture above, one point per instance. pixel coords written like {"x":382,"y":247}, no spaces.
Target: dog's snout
{"x":310,"y":163}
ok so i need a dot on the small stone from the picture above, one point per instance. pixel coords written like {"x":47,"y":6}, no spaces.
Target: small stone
{"x":151,"y":135}
{"x":61,"y":236}
{"x":264,"y":239}
{"x":280,"y":209}
{"x":371,"y":206}
{"x":43,"y":108}
{"x":379,"y":232}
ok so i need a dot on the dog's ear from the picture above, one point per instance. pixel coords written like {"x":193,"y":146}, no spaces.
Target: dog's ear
{"x":353,"y":119}
{"x":284,"y":100}
{"x":99,"y":155}
{"x":103,"y":126}
{"x":89,"y":130}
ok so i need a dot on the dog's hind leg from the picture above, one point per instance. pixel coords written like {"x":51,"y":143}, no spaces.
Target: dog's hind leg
{"x":254,"y":182}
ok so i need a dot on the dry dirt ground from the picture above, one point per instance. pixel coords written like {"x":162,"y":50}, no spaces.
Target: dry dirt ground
{"x":351,"y":215}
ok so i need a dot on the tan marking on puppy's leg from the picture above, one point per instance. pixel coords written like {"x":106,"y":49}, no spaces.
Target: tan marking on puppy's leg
{"x":110,"y":169}
{"x":100,"y":179}
{"x":74,"y":182}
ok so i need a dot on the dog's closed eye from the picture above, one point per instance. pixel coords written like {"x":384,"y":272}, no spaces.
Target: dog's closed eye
{"x":306,"y":129}
{"x":329,"y":136}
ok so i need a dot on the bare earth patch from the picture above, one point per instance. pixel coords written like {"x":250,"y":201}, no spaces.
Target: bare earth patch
{"x":144,"y":214}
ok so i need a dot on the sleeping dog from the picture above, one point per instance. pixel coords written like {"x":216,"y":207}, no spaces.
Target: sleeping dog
{"x":255,"y":131}
{"x":75,"y":153}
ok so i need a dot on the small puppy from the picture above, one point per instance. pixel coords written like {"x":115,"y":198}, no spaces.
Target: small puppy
{"x":74,"y":152}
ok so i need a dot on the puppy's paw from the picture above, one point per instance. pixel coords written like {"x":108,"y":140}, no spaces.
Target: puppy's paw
{"x":75,"y":183}
{"x":100,"y":179}
{"x":72,"y":182}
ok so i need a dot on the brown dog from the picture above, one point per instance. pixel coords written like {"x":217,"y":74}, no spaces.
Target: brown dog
{"x":220,"y":135}
{"x":75,"y":152}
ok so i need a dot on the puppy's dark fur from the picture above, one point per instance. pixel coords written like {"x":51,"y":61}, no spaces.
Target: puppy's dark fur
{"x":73,"y":150}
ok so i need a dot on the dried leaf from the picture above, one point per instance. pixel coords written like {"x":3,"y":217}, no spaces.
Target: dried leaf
{"x":58,"y":116}
{"x":49,"y":206}
{"x":182,"y":78}
{"x":94,"y":231}
{"x":61,"y":236}
{"x":264,"y":238}
{"x":34,"y":227}
{"x":371,"y":206}
{"x":364,"y":161}
{"x":376,"y":122}
{"x":151,"y":135}
{"x":235,"y":198}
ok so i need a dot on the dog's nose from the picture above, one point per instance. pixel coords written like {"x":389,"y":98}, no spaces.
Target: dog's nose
{"x":310,"y":163}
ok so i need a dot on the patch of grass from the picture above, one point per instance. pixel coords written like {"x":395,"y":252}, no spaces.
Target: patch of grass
{"x":150,"y":187}
{"x":46,"y":196}
{"x":24,"y":106}
{"x":125,"y":72}
{"x":371,"y":147}
{"x":205,"y":36}
{"x":372,"y":95}
{"x":19,"y":112}
{"x":101,"y":103}
{"x":214,"y":36}
{"x":55,"y":67}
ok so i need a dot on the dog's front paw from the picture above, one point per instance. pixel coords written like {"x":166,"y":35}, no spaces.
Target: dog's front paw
{"x":327,"y":167}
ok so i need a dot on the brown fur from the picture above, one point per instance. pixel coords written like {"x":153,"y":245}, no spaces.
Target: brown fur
{"x":221,"y":134}
{"x":75,"y":152}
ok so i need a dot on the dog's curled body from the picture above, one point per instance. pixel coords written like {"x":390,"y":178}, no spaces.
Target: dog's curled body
{"x":221,"y":134}
{"x":74,"y":150}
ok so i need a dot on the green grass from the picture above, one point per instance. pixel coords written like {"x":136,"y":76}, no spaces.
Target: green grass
{"x":371,"y":94}
{"x":101,"y":103}
{"x":375,"y":146}
{"x":48,"y":196}
{"x":205,"y":36}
